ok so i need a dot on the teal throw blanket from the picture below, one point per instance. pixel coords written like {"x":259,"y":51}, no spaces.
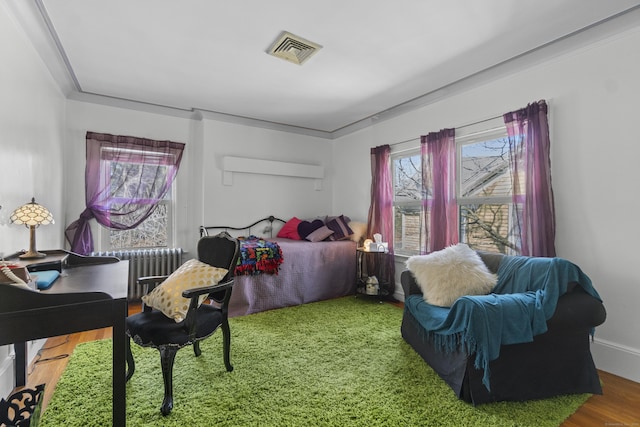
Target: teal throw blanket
{"x":525,"y":296}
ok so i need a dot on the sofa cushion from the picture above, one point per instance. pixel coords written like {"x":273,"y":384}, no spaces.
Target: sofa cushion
{"x":409,"y":284}
{"x":491,"y":259}
{"x":446,"y":275}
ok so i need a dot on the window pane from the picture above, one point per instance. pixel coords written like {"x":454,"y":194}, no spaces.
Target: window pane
{"x":152,"y":233}
{"x":485,"y":169}
{"x":407,"y":178}
{"x":408,"y":230}
{"x":128,"y":179}
{"x":487,"y":227}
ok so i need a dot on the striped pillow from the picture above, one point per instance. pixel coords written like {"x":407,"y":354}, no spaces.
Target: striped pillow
{"x":340,"y":228}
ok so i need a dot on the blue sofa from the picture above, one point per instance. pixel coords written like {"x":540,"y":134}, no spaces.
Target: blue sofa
{"x":556,"y":362}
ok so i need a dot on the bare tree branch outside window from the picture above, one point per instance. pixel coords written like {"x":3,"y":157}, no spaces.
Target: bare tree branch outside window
{"x":484,"y":192}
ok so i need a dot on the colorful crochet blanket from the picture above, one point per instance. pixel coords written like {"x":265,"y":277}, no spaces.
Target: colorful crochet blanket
{"x":258,"y":256}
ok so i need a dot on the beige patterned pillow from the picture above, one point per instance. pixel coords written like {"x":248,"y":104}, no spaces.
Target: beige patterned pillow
{"x":168,"y":296}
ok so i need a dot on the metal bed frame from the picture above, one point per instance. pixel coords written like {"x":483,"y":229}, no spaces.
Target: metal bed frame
{"x":204,"y":230}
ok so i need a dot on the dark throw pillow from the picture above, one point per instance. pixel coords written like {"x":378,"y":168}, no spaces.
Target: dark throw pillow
{"x":305,"y":227}
{"x":340,"y":228}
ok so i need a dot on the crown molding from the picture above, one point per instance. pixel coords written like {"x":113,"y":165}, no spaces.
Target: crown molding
{"x":31,"y":16}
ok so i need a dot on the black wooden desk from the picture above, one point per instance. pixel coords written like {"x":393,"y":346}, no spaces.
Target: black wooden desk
{"x":87,"y":296}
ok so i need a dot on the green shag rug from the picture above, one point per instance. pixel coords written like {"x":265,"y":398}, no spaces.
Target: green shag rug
{"x":332,"y":363}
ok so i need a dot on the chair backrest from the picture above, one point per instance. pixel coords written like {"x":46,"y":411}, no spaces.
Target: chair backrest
{"x":220,"y":251}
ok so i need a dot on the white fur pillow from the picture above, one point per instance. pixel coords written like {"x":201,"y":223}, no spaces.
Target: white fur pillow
{"x":359,"y":231}
{"x":446,"y":275}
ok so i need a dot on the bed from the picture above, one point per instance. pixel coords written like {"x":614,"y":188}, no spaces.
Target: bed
{"x":308,"y":272}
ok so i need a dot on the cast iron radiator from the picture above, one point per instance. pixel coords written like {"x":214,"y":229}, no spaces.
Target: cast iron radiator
{"x":146,"y":262}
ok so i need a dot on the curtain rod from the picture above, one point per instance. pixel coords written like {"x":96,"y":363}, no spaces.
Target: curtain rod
{"x":457,"y":127}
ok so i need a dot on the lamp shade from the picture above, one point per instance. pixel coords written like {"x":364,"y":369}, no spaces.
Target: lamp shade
{"x":32,"y":214}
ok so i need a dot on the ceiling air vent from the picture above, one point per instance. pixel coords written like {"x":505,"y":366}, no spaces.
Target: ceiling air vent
{"x":293,"y":48}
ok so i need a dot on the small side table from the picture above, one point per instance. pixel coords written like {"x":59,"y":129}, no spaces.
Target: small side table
{"x":371,"y":264}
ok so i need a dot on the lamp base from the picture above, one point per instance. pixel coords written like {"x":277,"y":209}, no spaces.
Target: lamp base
{"x":32,"y":255}
{"x":32,"y":252}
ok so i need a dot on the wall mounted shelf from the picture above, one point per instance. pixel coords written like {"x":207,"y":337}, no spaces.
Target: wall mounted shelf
{"x":270,"y":167}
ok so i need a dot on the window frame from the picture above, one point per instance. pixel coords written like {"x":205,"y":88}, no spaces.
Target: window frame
{"x":499,"y":131}
{"x":169,"y":201}
{"x":486,"y":130}
{"x":417,"y":203}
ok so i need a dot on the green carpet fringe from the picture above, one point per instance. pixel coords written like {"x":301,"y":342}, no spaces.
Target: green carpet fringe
{"x":333,"y":363}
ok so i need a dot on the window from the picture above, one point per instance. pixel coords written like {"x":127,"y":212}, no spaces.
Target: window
{"x":409,"y":234}
{"x":125,"y":179}
{"x":153,"y":232}
{"x":484,"y":191}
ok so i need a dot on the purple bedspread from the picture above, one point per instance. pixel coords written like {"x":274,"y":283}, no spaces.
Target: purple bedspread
{"x":311,"y":271}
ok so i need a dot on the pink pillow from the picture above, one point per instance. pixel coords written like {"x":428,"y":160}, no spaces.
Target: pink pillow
{"x":320,"y":234}
{"x":290,"y":229}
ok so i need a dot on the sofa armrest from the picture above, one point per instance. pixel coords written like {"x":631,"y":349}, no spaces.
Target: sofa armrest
{"x":577,"y":310}
{"x":409,"y":285}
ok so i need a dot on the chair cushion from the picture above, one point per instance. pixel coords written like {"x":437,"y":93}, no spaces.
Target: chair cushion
{"x":154,"y":329}
{"x":168,"y":296}
{"x":448,"y":274}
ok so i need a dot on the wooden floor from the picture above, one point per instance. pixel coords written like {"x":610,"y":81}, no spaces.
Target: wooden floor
{"x":618,"y":406}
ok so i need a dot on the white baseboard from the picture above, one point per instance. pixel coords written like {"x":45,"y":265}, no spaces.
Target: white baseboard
{"x":616,"y":359}
{"x":6,"y":372}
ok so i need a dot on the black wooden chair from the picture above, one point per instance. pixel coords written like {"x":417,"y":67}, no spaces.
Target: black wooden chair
{"x":152,"y":328}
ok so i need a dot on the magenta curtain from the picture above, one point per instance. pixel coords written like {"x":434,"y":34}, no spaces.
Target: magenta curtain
{"x":381,"y":208}
{"x":123,"y":198}
{"x":439,"y":173}
{"x":529,"y":144}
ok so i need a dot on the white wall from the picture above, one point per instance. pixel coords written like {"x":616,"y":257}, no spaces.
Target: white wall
{"x":202,"y":197}
{"x":85,"y":116}
{"x":251,"y":196}
{"x":31,"y":121}
{"x":593,"y":94}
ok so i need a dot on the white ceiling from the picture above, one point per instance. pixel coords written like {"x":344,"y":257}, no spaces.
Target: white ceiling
{"x":210,"y":54}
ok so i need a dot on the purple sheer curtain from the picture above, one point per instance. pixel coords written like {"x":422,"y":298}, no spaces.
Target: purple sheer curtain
{"x":123,"y":195}
{"x":439,"y":174}
{"x":529,"y":145}
{"x":381,"y":209}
